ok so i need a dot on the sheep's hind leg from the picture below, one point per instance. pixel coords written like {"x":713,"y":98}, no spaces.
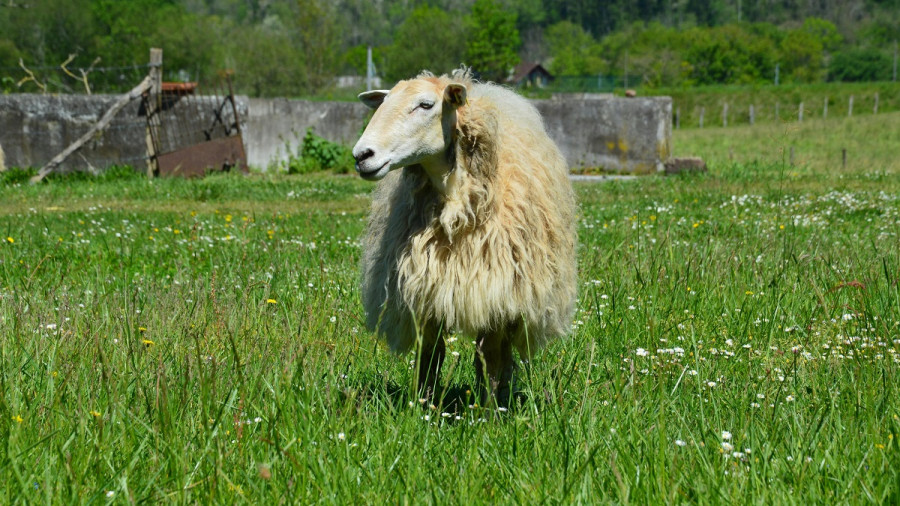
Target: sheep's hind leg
{"x":494,"y":367}
{"x":430,"y":359}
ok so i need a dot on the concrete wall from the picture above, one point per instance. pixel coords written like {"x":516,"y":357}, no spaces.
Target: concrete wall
{"x":630,"y":135}
{"x":34,"y":128}
{"x":272,"y":124}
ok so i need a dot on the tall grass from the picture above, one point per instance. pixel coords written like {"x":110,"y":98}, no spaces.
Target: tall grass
{"x":737,"y":340}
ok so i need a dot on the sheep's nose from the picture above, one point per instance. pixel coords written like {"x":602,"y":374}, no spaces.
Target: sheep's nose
{"x":363,"y":155}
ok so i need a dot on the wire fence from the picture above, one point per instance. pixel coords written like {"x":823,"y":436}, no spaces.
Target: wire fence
{"x":62,"y":79}
{"x":723,"y":113}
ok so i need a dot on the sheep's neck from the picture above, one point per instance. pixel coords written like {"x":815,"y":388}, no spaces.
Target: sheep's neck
{"x":440,"y":173}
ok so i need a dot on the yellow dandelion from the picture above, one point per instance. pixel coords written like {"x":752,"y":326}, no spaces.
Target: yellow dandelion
{"x":228,"y":218}
{"x":748,"y":292}
{"x":193,"y":213}
{"x":142,"y":329}
{"x":696,"y":225}
{"x":271,"y":301}
{"x":10,"y":240}
{"x":96,"y":414}
{"x":176,"y":231}
{"x":18,"y":419}
{"x":148,"y":343}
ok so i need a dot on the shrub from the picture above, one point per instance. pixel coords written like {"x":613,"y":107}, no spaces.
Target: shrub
{"x":317,"y":154}
{"x":860,"y":65}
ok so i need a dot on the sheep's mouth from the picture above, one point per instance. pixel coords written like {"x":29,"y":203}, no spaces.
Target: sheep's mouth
{"x":373,"y":174}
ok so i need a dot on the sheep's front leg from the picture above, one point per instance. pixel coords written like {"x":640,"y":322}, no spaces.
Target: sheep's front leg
{"x":430,"y":358}
{"x":494,"y":368}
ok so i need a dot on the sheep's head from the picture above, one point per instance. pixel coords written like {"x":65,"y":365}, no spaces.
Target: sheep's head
{"x":413,"y":124}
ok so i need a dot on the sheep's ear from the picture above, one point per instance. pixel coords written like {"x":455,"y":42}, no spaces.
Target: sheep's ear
{"x":373,"y":98}
{"x":455,"y":94}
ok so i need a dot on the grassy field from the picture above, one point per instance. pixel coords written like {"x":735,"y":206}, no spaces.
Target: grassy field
{"x":872,"y":144}
{"x":786,"y":98}
{"x":737,"y":340}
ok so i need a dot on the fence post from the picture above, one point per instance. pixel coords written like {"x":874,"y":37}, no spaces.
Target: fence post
{"x":843,"y":158}
{"x":153,"y":105}
{"x":677,"y":118}
{"x":850,"y":107}
{"x":825,"y":109}
{"x":792,"y":156}
{"x":702,"y":112}
{"x":800,"y":114}
{"x":725,"y":114}
{"x":752,"y":115}
{"x":875,"y":110}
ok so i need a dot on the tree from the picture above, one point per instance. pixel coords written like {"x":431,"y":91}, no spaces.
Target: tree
{"x":493,"y":40}
{"x":574,"y":51}
{"x":428,"y":39}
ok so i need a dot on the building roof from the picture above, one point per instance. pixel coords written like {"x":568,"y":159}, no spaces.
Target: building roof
{"x":525,"y":69}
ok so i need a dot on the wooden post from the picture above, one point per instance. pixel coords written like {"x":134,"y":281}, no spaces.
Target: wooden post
{"x":843,"y":158}
{"x":752,"y":115}
{"x":153,"y":106}
{"x":875,"y":110}
{"x":850,"y":107}
{"x":792,"y":156}
{"x":677,"y":118}
{"x":702,"y":112}
{"x":825,"y":109}
{"x":800,"y":113}
{"x":725,"y":114}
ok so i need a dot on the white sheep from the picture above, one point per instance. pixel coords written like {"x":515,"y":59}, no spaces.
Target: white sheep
{"x":475,"y":233}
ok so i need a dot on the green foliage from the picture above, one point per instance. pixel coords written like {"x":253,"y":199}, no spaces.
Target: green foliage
{"x":729,"y":54}
{"x":574,"y":52}
{"x":318,"y":154}
{"x":297,"y":47}
{"x":428,"y":39}
{"x":493,"y":40}
{"x":860,"y":65}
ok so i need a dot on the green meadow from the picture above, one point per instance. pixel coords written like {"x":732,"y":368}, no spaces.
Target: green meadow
{"x":737,"y":340}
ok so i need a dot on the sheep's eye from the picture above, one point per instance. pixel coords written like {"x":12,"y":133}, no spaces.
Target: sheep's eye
{"x":426,"y":105}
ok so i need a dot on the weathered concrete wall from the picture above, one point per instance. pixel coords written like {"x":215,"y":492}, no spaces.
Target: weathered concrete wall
{"x":34,"y":128}
{"x":618,"y":134}
{"x":274,"y":124}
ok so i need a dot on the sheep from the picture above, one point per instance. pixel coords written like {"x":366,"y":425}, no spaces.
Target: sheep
{"x":475,"y":232}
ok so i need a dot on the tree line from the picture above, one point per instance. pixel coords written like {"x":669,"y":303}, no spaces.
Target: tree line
{"x":298,"y":47}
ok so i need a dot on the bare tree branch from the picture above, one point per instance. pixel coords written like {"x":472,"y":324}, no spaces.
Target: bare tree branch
{"x":84,"y":72}
{"x":30,"y":78}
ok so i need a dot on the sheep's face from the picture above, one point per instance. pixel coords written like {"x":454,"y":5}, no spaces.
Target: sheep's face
{"x":413,"y":124}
